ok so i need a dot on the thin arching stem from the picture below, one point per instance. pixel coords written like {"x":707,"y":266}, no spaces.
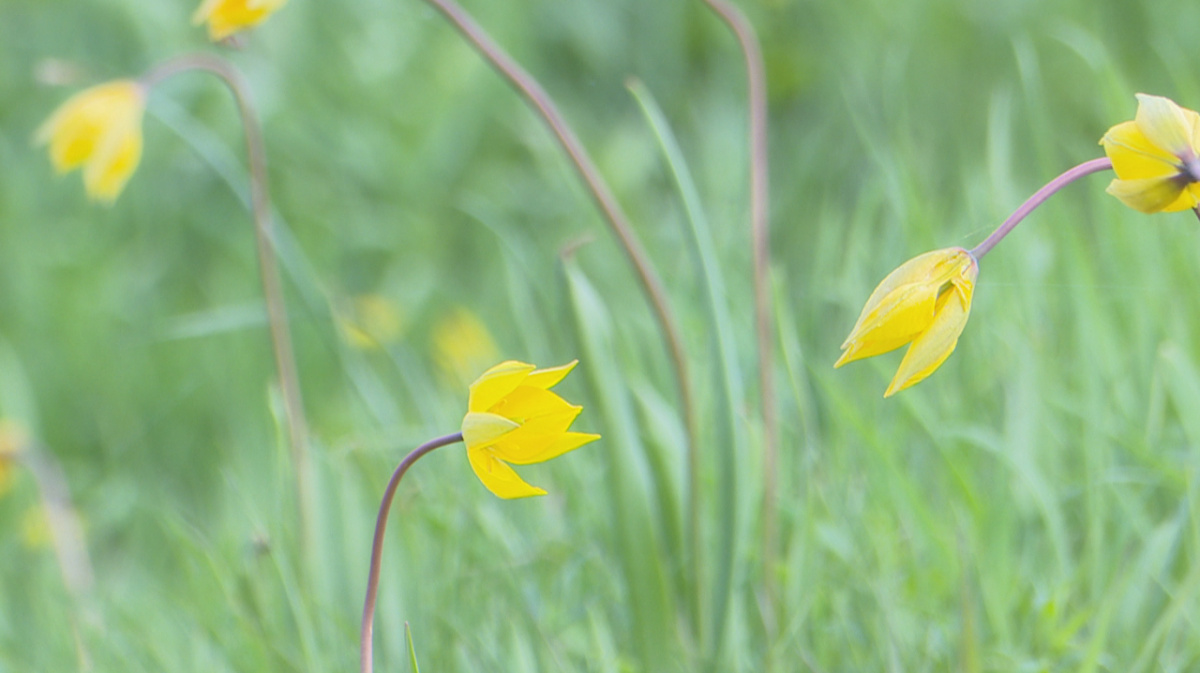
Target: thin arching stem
{"x":62,"y":521}
{"x":760,"y":241}
{"x":368,"y":617}
{"x":260,"y":199}
{"x":1039,"y":197}
{"x":617,"y":220}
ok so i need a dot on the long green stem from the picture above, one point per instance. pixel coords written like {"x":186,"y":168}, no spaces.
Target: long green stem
{"x":367,"y":662}
{"x":281,"y":340}
{"x":617,"y":220}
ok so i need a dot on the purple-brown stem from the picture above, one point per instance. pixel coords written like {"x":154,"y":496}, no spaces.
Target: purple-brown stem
{"x":277,"y":320}
{"x":1038,"y":198}
{"x":760,"y":242}
{"x":368,"y":618}
{"x":617,"y":220}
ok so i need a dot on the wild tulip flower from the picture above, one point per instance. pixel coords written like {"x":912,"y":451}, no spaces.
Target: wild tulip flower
{"x":99,"y":129}
{"x":226,"y":17}
{"x":924,"y":303}
{"x":1155,"y":157}
{"x":512,"y":417}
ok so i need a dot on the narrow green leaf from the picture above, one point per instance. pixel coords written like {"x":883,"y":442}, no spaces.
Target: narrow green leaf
{"x":728,"y":438}
{"x":412,"y":651}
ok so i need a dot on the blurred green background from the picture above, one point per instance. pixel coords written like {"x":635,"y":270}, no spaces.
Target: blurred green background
{"x":1031,"y":507}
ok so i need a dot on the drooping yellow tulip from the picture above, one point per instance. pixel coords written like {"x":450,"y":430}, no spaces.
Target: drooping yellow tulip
{"x":925,"y":303}
{"x":1155,"y":157}
{"x":512,"y":417}
{"x":226,"y":17}
{"x":99,"y":129}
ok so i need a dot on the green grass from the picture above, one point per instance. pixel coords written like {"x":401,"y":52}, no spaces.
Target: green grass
{"x":1033,"y":506}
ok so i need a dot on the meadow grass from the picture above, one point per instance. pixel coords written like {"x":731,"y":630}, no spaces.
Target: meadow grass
{"x":1033,"y":506}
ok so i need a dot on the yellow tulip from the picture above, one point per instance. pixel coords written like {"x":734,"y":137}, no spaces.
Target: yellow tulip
{"x":1155,"y":157}
{"x":925,"y":303}
{"x":99,"y":129}
{"x":372,"y":322}
{"x":226,"y":17}
{"x":462,"y":345}
{"x":512,"y":417}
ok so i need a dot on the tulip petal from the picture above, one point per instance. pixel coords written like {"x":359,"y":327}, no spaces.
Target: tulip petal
{"x":482,"y":429}
{"x":527,"y":403}
{"x":527,"y":453}
{"x":916,"y":270}
{"x":499,"y":478}
{"x":226,"y":17}
{"x":1165,"y":124}
{"x":1153,"y":195}
{"x":547,"y":378}
{"x":538,"y":432}
{"x":497,"y":382}
{"x":99,"y":129}
{"x":1134,"y":157}
{"x":895,"y":321}
{"x":931,"y":349}
{"x":113,"y":164}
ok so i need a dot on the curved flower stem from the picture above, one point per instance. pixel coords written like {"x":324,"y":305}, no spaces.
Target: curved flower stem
{"x":66,"y":537}
{"x":1039,"y":197}
{"x":537,"y":96}
{"x":760,"y":237}
{"x":281,"y":340}
{"x":66,"y":533}
{"x":368,"y":618}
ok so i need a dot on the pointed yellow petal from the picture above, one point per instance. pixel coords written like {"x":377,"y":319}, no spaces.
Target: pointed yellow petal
{"x":1134,"y":157}
{"x":526,"y":403}
{"x":497,"y":382}
{"x":546,"y":378}
{"x":105,"y":174}
{"x":529,"y":453}
{"x":499,"y":478}
{"x":895,"y":321}
{"x":226,"y":17}
{"x":902,"y":306}
{"x":482,"y":429}
{"x":538,"y":432}
{"x":1153,"y":195}
{"x":931,"y":349}
{"x":1165,"y":124}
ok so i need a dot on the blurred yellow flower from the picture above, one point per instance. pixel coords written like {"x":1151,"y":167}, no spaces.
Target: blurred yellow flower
{"x":99,"y":129}
{"x":6,"y":473}
{"x":1155,"y":157}
{"x":35,"y":528}
{"x":226,"y":17}
{"x":13,"y":440}
{"x":372,"y":322}
{"x":463,"y":345}
{"x":925,"y":302}
{"x":512,"y":417}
